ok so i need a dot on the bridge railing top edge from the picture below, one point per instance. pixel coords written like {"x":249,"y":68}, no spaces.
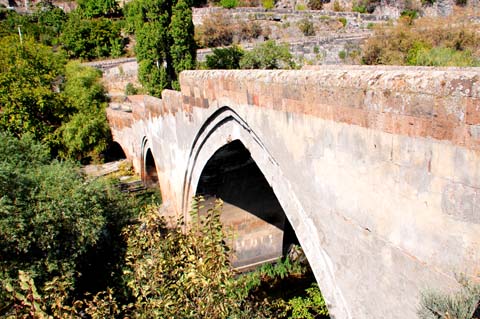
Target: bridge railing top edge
{"x":423,"y":80}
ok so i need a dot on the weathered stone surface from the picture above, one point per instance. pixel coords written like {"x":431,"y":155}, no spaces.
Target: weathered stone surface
{"x":376,"y":168}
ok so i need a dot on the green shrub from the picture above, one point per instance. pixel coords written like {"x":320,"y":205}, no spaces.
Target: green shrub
{"x":343,"y":21}
{"x":342,"y":55}
{"x":225,"y":58}
{"x":130,"y":89}
{"x":306,"y":27}
{"x":309,"y":307}
{"x":268,"y":4}
{"x":360,"y":8}
{"x":268,"y":55}
{"x":228,"y":4}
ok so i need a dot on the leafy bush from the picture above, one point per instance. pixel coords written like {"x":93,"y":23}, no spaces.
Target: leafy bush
{"x":307,"y":27}
{"x":54,"y":222}
{"x":442,"y":57}
{"x":268,"y":4}
{"x":91,"y":39}
{"x":268,"y":55}
{"x":360,"y":8}
{"x":465,"y":304}
{"x":310,"y":307}
{"x":130,"y":89}
{"x":300,"y":7}
{"x":228,"y":4}
{"x":225,"y":58}
{"x":87,"y":133}
{"x":30,"y":75}
{"x":343,"y":21}
{"x":98,"y":8}
{"x":342,"y":55}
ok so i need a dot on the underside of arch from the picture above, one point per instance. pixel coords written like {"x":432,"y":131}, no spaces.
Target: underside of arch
{"x":150,"y":176}
{"x":252,"y":214}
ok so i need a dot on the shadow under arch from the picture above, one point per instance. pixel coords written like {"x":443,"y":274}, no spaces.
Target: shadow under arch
{"x":224,"y":126}
{"x":258,"y":229}
{"x":149,"y":173}
{"x":114,"y":152}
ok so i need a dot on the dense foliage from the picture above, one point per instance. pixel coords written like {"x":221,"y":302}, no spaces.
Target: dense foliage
{"x":61,"y":105}
{"x":30,"y":78}
{"x":178,"y":273}
{"x":53,"y":222}
{"x":87,"y":133}
{"x":91,"y":38}
{"x":164,"y":41}
{"x":268,"y":55}
{"x":225,"y":58}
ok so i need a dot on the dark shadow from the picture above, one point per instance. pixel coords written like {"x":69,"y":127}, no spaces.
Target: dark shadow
{"x":114,"y":152}
{"x":150,"y":176}
{"x":232,"y":175}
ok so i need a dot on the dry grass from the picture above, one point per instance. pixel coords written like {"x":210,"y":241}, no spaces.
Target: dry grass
{"x":401,"y":43}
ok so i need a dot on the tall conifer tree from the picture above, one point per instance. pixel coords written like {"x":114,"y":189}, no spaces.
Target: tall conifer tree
{"x":165,"y":44}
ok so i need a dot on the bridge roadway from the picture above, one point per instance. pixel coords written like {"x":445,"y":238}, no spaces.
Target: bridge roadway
{"x":374,"y":170}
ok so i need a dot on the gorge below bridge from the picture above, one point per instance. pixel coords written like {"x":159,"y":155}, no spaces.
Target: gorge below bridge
{"x":375,"y":171}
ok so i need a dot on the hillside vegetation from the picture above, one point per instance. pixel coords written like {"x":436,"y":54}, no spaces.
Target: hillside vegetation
{"x":425,"y":41}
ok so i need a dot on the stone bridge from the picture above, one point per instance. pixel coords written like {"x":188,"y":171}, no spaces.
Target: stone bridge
{"x":375,"y":171}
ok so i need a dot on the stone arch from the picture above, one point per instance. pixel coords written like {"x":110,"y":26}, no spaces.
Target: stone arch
{"x":222,"y":128}
{"x":149,"y":172}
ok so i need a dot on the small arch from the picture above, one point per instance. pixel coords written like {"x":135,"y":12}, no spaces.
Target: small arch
{"x":150,"y":176}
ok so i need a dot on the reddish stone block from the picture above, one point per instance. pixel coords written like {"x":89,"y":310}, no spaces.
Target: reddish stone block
{"x":442,"y":129}
{"x":472,"y":116}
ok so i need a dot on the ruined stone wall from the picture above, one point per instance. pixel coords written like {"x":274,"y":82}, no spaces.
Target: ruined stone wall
{"x":376,"y":168}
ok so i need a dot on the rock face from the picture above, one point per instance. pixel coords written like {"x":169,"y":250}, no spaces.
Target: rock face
{"x":376,"y":168}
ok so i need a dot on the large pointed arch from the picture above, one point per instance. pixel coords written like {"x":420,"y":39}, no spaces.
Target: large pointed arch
{"x":225,"y":126}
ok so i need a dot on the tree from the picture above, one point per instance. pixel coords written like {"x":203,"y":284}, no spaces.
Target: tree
{"x":225,"y":58}
{"x":53,"y":221}
{"x":90,"y":39}
{"x":30,"y":78}
{"x":165,"y":45}
{"x":87,"y":133}
{"x":98,"y":8}
{"x":183,"y":48}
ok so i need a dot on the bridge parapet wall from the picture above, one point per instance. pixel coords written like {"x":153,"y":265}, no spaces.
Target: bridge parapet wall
{"x":442,"y":104}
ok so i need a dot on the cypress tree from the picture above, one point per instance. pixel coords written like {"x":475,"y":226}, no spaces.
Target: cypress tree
{"x":165,"y":45}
